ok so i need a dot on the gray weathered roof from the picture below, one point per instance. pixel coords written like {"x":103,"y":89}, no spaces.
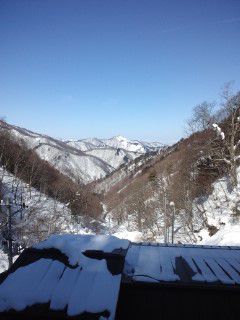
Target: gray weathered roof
{"x":183,"y":264}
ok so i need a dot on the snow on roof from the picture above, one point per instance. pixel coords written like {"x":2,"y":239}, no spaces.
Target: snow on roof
{"x":84,"y":286}
{"x":80,"y":274}
{"x":183,"y":264}
{"x":73,"y":245}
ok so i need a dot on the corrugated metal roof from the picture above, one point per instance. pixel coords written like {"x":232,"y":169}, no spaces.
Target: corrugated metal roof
{"x":82,"y":274}
{"x":183,"y":264}
{"x":90,"y":285}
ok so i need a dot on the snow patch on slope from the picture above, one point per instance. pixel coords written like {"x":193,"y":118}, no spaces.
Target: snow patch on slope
{"x":114,"y":157}
{"x":227,"y":236}
{"x":222,"y":211}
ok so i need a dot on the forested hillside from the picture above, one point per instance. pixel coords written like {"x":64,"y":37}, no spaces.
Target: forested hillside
{"x":173,"y":189}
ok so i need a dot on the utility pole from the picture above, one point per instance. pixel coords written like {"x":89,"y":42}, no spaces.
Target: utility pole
{"x":9,"y":225}
{"x":165,"y":219}
{"x":21,"y":199}
{"x":172,"y":204}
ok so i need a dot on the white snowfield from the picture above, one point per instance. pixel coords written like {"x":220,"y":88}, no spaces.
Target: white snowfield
{"x":87,"y":287}
{"x":83,"y":160}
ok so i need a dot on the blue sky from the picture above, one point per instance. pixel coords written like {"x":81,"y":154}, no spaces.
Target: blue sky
{"x":84,"y":68}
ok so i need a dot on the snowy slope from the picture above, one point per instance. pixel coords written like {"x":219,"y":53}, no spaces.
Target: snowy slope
{"x":32,"y":224}
{"x":85,"y":168}
{"x":216,"y":217}
{"x":114,"y":157}
{"x":40,"y":209}
{"x":84,"y":160}
{"x":68,"y":160}
{"x":222,"y":211}
{"x":117,"y":142}
{"x":227,"y":236}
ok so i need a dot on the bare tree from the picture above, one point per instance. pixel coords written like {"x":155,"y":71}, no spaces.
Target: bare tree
{"x":202,"y":118}
{"x":226,"y":145}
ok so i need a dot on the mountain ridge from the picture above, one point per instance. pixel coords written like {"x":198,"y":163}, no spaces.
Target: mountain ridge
{"x":83,"y":160}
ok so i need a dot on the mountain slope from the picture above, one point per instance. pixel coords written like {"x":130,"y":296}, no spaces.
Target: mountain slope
{"x":85,"y":160}
{"x":30,"y":223}
{"x":139,"y":198}
{"x":117,"y":142}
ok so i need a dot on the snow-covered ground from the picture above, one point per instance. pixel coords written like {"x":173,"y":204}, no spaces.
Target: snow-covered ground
{"x":222,"y":211}
{"x":227,"y":236}
{"x":42,"y":216}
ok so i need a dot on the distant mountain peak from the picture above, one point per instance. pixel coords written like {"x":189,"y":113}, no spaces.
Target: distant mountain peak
{"x":120,"y":138}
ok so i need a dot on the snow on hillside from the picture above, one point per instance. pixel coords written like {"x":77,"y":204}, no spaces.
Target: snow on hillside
{"x":69,"y":161}
{"x":83,"y":160}
{"x":133,"y":168}
{"x":87,"y":144}
{"x":42,"y":216}
{"x":117,"y":142}
{"x":217,"y":217}
{"x":219,"y":208}
{"x":227,"y":236}
{"x":3,"y":261}
{"x":114,"y":157}
{"x":124,"y":143}
{"x":222,"y":212}
{"x":83,"y":167}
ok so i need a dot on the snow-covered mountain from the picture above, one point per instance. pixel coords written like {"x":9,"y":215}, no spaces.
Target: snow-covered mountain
{"x":117,"y":142}
{"x":83,"y":160}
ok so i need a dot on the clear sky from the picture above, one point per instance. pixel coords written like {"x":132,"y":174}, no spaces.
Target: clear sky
{"x":84,"y":68}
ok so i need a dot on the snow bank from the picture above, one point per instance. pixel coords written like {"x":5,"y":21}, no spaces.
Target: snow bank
{"x":226,"y":236}
{"x":221,"y":209}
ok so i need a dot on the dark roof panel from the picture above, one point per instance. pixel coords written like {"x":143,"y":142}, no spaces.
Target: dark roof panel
{"x":68,"y":274}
